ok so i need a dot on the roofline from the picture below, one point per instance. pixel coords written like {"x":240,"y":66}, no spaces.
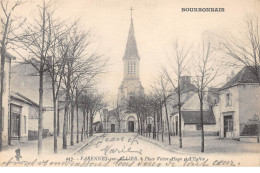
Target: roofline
{"x":220,"y":89}
{"x":8,"y":55}
{"x":27,"y":99}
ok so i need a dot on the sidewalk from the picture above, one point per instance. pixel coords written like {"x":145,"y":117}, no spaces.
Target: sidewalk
{"x":31,"y":147}
{"x":212,"y":145}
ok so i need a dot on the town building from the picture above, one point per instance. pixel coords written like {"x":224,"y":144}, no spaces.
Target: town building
{"x":23,"y":118}
{"x":121,"y":119}
{"x":25,"y":80}
{"x":239,"y":106}
{"x":190,"y":112}
{"x":97,"y":127}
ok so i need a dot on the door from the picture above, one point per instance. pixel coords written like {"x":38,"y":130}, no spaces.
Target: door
{"x":130,"y":126}
{"x":113,"y":127}
{"x":176,"y":128}
{"x":228,"y":124}
{"x":15,"y":125}
{"x":149,"y":128}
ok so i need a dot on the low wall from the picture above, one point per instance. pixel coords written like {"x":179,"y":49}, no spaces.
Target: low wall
{"x":252,"y":139}
{"x":198,"y":133}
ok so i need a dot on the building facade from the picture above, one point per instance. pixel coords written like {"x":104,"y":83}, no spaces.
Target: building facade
{"x":25,"y":80}
{"x":190,"y":112}
{"x":239,"y":107}
{"x":23,"y":118}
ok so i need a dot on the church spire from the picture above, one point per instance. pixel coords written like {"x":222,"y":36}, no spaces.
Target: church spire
{"x":131,"y":47}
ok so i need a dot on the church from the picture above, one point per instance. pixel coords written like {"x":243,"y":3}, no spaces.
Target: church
{"x":120,"y":119}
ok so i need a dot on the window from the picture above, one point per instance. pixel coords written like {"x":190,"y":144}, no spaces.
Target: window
{"x":198,"y":127}
{"x":131,"y":68}
{"x":24,"y":117}
{"x":228,"y":99}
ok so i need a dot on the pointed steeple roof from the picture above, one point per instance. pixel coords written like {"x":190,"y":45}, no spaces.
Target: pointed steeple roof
{"x":131,"y":50}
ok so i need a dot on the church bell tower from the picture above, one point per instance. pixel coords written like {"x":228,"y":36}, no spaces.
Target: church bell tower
{"x":131,"y":85}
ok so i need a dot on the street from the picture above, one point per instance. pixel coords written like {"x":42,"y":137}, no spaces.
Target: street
{"x":131,"y":149}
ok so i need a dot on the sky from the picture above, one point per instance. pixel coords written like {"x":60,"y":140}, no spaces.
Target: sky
{"x":157,"y":24}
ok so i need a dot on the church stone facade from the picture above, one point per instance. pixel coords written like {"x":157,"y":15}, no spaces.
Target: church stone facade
{"x":121,"y":119}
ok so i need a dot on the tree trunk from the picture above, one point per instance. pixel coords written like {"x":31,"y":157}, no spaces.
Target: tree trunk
{"x":141,"y":125}
{"x":58,"y":117}
{"x":84,"y":125}
{"x":258,"y":132}
{"x":77,"y":112}
{"x":179,"y":107}
{"x":1,"y":95}
{"x":66,"y":110}
{"x":138,"y":121}
{"x":202,"y":124}
{"x":2,"y":76}
{"x":162,"y":126}
{"x":154,"y":126}
{"x":87,"y":123}
{"x":54,"y":118}
{"x":91,"y":125}
{"x":82,"y":135}
{"x":72,"y":123}
{"x":40,"y":109}
{"x":158,"y":127}
{"x":65,"y":123}
{"x":168,"y":125}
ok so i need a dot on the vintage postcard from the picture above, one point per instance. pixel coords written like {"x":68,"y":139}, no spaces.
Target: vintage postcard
{"x":130,"y":83}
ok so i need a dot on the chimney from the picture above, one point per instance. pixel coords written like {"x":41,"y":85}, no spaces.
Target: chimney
{"x":185,"y":81}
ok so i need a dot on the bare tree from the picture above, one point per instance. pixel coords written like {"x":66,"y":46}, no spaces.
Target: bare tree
{"x":162,"y":92}
{"x":153,"y":102}
{"x":135,"y":105}
{"x":55,"y":65}
{"x":9,"y":25}
{"x":181,"y":59}
{"x":37,"y":42}
{"x":119,"y":118}
{"x":82,"y":104}
{"x":244,"y":50}
{"x":95,"y":103}
{"x":205,"y":70}
{"x":166,"y":95}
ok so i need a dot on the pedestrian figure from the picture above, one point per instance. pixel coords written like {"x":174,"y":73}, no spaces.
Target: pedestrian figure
{"x":18,"y":156}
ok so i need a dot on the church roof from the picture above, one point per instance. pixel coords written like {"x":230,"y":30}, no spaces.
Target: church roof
{"x":131,"y":47}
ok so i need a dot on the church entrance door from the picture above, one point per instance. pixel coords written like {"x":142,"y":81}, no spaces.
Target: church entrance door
{"x":113,"y":128}
{"x":130,"y":126}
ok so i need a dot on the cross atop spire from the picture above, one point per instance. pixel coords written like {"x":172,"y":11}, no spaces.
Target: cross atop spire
{"x":131,"y":9}
{"x":131,"y":47}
